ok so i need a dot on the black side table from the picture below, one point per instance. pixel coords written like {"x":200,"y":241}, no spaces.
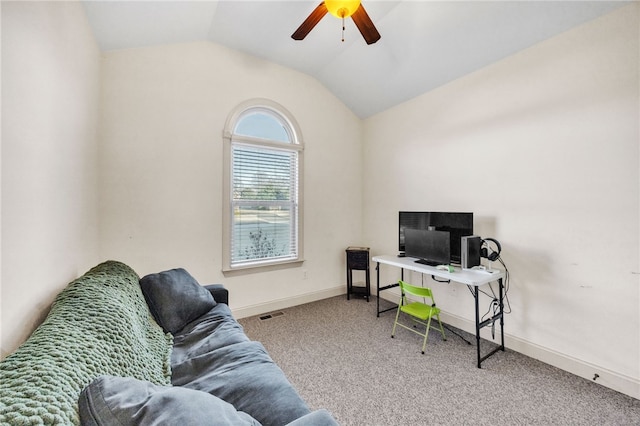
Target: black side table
{"x":358,"y":259}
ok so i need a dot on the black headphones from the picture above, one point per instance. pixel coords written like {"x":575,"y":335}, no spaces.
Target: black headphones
{"x":495,"y":254}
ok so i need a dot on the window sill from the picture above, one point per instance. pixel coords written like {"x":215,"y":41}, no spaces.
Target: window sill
{"x":252,"y":269}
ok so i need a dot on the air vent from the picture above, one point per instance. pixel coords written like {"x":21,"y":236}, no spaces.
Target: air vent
{"x":271,"y":316}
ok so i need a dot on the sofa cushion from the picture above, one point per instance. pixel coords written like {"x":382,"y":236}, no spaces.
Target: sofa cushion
{"x":175,"y":298}
{"x":110,"y":400}
{"x":213,"y":330}
{"x":244,"y":375}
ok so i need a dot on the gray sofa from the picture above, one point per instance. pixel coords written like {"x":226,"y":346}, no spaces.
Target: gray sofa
{"x":105,"y":357}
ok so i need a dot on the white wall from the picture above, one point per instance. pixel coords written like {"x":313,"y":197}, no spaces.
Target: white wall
{"x":544,"y":148}
{"x":50,"y":98}
{"x":164,"y":109}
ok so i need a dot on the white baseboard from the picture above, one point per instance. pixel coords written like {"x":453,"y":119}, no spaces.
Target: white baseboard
{"x":610,"y":379}
{"x":274,"y":305}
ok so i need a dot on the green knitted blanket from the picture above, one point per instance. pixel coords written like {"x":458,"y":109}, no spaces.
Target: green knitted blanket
{"x":99,"y":324}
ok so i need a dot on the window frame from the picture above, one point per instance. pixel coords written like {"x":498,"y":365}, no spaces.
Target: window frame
{"x":231,"y":139}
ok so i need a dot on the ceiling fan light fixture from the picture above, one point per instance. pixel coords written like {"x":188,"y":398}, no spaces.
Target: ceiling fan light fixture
{"x":342,"y":8}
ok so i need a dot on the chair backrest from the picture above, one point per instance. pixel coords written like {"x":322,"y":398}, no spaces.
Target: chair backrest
{"x":416,"y":291}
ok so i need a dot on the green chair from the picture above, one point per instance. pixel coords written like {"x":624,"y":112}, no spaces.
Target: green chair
{"x":418,"y":311}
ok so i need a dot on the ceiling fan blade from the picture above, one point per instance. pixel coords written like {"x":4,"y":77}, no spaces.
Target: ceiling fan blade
{"x":365,"y":25}
{"x":311,"y":21}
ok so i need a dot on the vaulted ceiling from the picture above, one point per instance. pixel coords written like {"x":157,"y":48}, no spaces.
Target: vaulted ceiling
{"x":424,"y":44}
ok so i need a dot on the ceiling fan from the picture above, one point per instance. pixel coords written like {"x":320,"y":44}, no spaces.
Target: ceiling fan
{"x":340,"y":9}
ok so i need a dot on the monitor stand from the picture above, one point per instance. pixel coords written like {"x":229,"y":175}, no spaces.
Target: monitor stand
{"x":428,"y":262}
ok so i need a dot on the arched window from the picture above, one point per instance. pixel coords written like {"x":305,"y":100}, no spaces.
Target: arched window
{"x":263,"y":187}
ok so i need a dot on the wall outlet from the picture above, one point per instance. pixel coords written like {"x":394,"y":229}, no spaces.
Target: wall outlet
{"x":305,"y":274}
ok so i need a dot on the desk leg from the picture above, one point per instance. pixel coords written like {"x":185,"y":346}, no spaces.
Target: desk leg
{"x":476,"y":296}
{"x":378,"y":289}
{"x":500,"y":292}
{"x":491,"y":321}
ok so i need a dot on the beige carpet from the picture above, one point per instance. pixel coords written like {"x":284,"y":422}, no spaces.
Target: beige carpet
{"x":341,"y":357}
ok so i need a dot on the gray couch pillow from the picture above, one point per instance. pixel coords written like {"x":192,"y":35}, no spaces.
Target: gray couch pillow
{"x":175,"y":298}
{"x":319,"y":417}
{"x":125,"y":401}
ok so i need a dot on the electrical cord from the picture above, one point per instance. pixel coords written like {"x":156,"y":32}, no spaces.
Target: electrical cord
{"x":494,"y":298}
{"x":505,"y":294}
{"x":494,"y":308}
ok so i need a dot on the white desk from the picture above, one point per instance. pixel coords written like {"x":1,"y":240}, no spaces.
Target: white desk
{"x":472,"y":278}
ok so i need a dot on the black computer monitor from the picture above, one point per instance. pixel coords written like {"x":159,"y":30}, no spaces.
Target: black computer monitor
{"x":428,"y":247}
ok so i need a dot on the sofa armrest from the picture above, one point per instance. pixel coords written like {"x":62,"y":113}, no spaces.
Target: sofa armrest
{"x":219,"y":293}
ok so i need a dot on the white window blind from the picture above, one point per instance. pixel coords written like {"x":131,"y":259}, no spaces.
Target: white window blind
{"x":264,"y":204}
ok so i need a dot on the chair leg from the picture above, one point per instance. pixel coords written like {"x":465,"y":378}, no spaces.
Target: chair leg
{"x":441,"y":328}
{"x":393,"y":332}
{"x":426,"y":335}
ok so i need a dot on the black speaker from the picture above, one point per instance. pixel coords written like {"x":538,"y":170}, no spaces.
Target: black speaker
{"x":489,"y":253}
{"x":470,"y":251}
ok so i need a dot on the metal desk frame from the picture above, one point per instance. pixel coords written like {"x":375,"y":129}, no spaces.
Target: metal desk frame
{"x":472,"y":278}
